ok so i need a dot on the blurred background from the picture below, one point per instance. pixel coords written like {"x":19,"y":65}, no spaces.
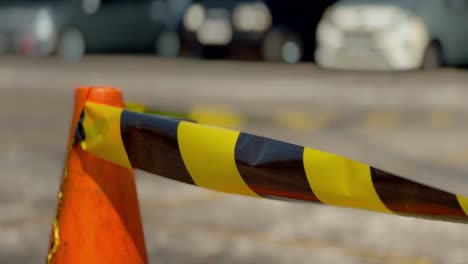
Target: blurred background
{"x":380,"y":81}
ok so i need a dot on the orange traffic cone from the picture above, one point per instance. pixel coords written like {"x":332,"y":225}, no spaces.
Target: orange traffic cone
{"x":98,"y":217}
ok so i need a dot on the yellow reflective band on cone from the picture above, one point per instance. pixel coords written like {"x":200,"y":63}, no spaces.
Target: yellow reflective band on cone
{"x":208,"y":154}
{"x":102,"y":133}
{"x":340,"y":181}
{"x":463,"y":201}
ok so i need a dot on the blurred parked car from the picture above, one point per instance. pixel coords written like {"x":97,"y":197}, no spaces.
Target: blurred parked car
{"x":300,"y":18}
{"x":390,"y":34}
{"x":73,"y":27}
{"x":17,"y":22}
{"x":215,"y":28}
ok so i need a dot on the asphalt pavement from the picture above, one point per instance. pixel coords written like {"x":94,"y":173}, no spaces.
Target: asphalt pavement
{"x":409,"y":123}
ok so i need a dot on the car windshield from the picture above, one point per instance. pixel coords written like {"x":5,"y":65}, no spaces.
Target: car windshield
{"x":405,"y":3}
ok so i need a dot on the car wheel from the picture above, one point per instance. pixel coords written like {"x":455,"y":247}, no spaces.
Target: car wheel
{"x":168,"y":44}
{"x":272,"y":45}
{"x":291,"y":50}
{"x":433,"y":58}
{"x":72,"y":45}
{"x":280,"y":46}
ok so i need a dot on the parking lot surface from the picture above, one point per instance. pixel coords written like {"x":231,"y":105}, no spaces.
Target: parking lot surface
{"x":412,"y":123}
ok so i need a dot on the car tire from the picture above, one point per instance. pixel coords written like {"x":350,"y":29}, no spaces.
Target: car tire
{"x":433,"y":58}
{"x":72,"y":45}
{"x":291,"y":50}
{"x":271,"y":46}
{"x":167,"y":44}
{"x":281,"y":46}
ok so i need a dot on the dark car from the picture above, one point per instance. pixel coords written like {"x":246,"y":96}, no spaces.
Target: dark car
{"x":73,"y":27}
{"x":300,"y":18}
{"x":273,"y":29}
{"x":215,"y":27}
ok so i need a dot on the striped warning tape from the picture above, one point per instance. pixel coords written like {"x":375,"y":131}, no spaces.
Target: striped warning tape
{"x":220,"y":115}
{"x":240,"y":163}
{"x":313,"y":119}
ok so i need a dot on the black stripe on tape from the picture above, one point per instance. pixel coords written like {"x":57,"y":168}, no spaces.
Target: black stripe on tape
{"x":273,"y":168}
{"x":411,"y":198}
{"x":151,"y":145}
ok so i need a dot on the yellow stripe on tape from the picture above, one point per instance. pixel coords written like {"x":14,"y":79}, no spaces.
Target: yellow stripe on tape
{"x":102,"y":130}
{"x":340,"y":181}
{"x":208,"y":154}
{"x":463,"y":201}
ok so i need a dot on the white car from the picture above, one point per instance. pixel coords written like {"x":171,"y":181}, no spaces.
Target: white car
{"x":393,"y":35}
